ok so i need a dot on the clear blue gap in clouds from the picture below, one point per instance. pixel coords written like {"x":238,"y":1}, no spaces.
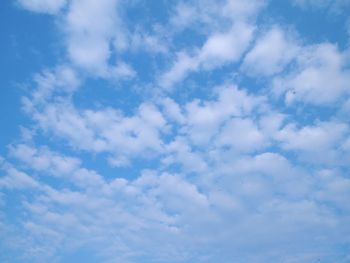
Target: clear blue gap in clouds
{"x":27,"y":42}
{"x":321,"y":21}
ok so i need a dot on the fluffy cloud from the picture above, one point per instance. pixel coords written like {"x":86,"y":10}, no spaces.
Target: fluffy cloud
{"x":228,"y":31}
{"x":122,"y":70}
{"x":218,"y":49}
{"x":196,"y":14}
{"x":320,"y":77}
{"x":251,"y":153}
{"x":43,"y":6}
{"x":241,"y":134}
{"x":271,"y":53}
{"x":205,"y":118}
{"x":90,"y":29}
{"x":233,"y":177}
{"x":44,"y":160}
{"x":319,"y":143}
{"x":180,"y":211}
{"x":61,"y":80}
{"x":15,"y":179}
{"x":105,"y":130}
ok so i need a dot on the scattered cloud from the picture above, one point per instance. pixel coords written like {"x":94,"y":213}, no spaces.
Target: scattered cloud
{"x":50,"y":6}
{"x":320,"y":77}
{"x":219,"y":49}
{"x":271,"y":53}
{"x":185,"y":131}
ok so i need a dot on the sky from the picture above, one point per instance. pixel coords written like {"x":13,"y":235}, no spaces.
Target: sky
{"x":173,"y":131}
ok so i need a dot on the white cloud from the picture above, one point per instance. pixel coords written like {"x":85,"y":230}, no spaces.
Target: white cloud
{"x":333,"y":188}
{"x":91,"y":30}
{"x":243,"y":10}
{"x":234,"y":170}
{"x":204,"y":118}
{"x":221,"y":48}
{"x":50,"y":163}
{"x":182,"y":66}
{"x":44,"y":160}
{"x":89,"y":53}
{"x":312,"y":138}
{"x":270,"y":123}
{"x":122,"y":70}
{"x":241,"y":135}
{"x":218,"y":49}
{"x":271,"y":53}
{"x":207,"y":16}
{"x":63,"y":120}
{"x":15,"y":179}
{"x":90,"y":27}
{"x":43,"y":6}
{"x":172,"y":110}
{"x":144,"y":205}
{"x":60,"y":80}
{"x":105,"y":130}
{"x":183,"y":212}
{"x":317,"y":143}
{"x":174,"y":193}
{"x":319,"y":78}
{"x":185,"y":15}
{"x":152,"y":43}
{"x":179,"y":151}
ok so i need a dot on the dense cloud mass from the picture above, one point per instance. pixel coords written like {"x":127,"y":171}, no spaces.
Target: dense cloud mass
{"x":180,"y":131}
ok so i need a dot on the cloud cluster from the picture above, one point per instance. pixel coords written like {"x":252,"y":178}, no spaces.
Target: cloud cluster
{"x":320,"y":77}
{"x":49,"y":7}
{"x":234,"y":146}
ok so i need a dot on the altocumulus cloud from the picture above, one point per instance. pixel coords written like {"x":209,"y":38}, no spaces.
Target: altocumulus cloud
{"x":175,"y":131}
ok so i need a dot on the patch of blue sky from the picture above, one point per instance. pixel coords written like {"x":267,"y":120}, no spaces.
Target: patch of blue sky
{"x":320,"y":24}
{"x":25,"y":50}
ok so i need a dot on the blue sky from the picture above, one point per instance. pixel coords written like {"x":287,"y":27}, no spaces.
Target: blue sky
{"x":175,"y":131}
